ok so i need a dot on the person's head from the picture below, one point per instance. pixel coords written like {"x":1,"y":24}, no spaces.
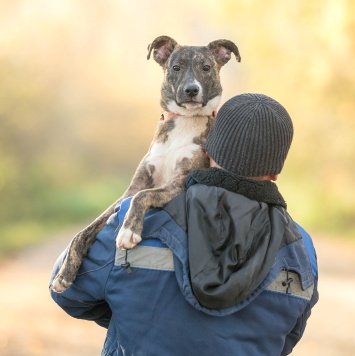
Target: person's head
{"x":251,"y":137}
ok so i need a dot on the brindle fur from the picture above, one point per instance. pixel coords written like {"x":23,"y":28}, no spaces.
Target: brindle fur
{"x":198,"y":74}
{"x":162,"y":133}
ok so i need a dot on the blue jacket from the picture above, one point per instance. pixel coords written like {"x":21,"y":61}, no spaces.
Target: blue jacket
{"x":150,"y":307}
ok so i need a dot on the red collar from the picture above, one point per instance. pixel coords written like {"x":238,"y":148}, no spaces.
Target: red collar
{"x":166,"y":115}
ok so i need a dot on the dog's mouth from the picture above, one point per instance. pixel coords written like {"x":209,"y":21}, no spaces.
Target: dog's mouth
{"x":191,"y":105}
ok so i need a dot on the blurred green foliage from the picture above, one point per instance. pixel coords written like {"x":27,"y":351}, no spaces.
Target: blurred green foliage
{"x":79,"y":102}
{"x":44,"y":210}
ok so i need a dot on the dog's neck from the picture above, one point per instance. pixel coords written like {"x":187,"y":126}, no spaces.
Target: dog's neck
{"x":167,"y":115}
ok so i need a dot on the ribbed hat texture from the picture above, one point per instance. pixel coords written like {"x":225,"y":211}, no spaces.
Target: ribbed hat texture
{"x":251,"y":136}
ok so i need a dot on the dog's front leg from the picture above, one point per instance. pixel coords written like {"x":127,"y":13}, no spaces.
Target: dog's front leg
{"x":131,"y":230}
{"x":83,"y":240}
{"x":77,"y":250}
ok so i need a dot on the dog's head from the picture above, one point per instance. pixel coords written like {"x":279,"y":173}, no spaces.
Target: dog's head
{"x":191,"y":84}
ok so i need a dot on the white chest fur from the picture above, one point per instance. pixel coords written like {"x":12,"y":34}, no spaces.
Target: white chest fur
{"x":165,"y":156}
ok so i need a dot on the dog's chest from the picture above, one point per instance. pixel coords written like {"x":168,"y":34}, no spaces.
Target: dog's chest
{"x":182,"y":142}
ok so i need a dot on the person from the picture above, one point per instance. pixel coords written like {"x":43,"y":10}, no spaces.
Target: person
{"x":222,"y":269}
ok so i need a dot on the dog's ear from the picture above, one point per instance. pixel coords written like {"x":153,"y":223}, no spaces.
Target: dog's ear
{"x":222,"y":50}
{"x":162,"y":47}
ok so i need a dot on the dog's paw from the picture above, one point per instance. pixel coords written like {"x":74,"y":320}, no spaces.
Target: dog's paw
{"x":127,"y":239}
{"x":59,"y":285}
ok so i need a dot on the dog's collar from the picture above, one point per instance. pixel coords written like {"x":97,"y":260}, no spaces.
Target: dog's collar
{"x":167,"y":115}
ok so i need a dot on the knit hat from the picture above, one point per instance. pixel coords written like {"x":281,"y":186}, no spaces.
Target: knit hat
{"x":251,"y":136}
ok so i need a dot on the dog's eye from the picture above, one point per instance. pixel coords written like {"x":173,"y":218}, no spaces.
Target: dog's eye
{"x":176,"y":68}
{"x":206,"y":67}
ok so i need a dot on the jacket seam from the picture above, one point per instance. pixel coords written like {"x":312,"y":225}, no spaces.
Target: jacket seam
{"x":96,"y":269}
{"x":306,"y":300}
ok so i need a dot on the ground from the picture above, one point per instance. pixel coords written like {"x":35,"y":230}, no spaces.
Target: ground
{"x":31,"y":323}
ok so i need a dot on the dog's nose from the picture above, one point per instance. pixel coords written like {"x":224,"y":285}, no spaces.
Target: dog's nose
{"x":191,"y":89}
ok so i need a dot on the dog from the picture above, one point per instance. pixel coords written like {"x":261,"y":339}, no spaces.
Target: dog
{"x":190,"y":95}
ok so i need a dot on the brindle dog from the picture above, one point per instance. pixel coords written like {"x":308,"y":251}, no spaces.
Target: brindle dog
{"x":190,"y":95}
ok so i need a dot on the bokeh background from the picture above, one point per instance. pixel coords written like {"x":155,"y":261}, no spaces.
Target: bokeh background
{"x":79,"y":103}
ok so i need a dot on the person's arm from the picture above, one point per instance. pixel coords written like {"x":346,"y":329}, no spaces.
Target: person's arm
{"x":296,"y":333}
{"x":85,"y":298}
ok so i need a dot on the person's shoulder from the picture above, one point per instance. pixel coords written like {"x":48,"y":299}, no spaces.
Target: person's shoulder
{"x":308,"y":244}
{"x":104,"y":246}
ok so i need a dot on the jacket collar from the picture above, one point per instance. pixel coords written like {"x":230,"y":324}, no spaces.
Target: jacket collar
{"x":261,"y":191}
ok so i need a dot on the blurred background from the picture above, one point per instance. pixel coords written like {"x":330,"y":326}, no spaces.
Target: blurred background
{"x":79,"y":103}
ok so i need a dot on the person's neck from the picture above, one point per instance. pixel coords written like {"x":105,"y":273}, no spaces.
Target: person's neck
{"x":272,"y":177}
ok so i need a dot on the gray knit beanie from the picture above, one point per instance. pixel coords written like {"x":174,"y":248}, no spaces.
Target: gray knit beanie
{"x":251,"y":136}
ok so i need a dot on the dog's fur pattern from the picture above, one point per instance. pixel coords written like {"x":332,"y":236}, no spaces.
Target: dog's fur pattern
{"x":191,"y":90}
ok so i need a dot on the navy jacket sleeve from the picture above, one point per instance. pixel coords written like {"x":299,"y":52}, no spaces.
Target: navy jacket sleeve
{"x":295,"y":335}
{"x":85,"y":298}
{"x":297,"y":332}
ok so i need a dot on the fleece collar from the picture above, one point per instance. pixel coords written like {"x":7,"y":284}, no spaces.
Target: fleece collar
{"x":261,"y":191}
